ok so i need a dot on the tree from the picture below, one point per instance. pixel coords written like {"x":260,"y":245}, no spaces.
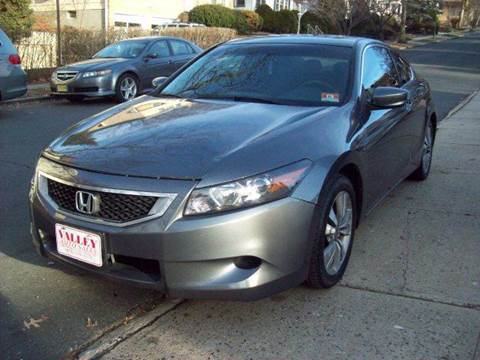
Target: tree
{"x":422,"y":15}
{"x":342,"y":15}
{"x":384,"y":11}
{"x":16,"y":18}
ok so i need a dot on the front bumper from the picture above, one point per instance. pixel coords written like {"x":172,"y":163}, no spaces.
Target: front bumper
{"x":196,"y":257}
{"x":90,"y":87}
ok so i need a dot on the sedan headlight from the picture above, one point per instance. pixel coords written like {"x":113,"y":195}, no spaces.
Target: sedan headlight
{"x":96,"y":73}
{"x":258,"y":189}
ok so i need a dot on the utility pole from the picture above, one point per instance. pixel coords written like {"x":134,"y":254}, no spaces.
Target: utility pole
{"x":59,"y":42}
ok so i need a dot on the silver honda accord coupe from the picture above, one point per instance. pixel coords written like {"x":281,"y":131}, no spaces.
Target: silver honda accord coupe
{"x":244,"y":174}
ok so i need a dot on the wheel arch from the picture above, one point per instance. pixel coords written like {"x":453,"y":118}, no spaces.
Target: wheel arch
{"x":348,"y":165}
{"x":352,"y":172}
{"x":127,"y":72}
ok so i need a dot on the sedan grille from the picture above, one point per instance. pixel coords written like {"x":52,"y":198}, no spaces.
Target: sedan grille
{"x":66,"y":75}
{"x":113,"y":206}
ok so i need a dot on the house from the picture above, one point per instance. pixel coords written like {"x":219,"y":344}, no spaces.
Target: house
{"x":99,"y":14}
{"x":142,"y":14}
{"x":274,"y":4}
{"x":451,"y":12}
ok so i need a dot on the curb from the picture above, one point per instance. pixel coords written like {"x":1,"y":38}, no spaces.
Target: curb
{"x":29,"y":100}
{"x":109,"y":340}
{"x":459,"y":106}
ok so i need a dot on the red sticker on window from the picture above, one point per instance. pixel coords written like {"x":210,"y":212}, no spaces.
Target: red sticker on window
{"x":330,"y":97}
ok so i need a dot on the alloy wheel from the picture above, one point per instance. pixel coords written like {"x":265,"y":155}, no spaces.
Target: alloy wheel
{"x":338,"y":232}
{"x":427,"y":148}
{"x":128,"y":88}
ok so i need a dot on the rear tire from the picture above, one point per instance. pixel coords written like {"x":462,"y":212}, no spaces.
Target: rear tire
{"x":421,"y":173}
{"x":332,"y":233}
{"x":127,"y":88}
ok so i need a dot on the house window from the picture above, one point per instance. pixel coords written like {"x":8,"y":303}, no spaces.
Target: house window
{"x":72,"y":14}
{"x":120,"y":24}
{"x":240,"y":3}
{"x":281,"y":5}
{"x":259,"y":2}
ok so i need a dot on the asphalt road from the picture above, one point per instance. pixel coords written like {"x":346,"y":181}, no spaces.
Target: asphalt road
{"x":452,"y":68}
{"x":45,"y":309}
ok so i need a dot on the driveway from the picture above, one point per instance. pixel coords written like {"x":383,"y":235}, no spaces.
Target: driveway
{"x":411,"y":289}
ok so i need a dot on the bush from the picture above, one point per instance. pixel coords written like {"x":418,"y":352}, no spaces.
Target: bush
{"x":213,"y":15}
{"x":279,"y":22}
{"x":253,"y":20}
{"x":372,"y":28}
{"x":244,"y":22}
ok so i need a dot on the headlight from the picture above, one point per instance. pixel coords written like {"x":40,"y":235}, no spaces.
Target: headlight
{"x":96,"y":73}
{"x":272,"y":185}
{"x":54,"y":75}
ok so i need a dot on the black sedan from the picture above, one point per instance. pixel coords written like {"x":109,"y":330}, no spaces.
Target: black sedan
{"x":124,"y":69}
{"x":244,"y":174}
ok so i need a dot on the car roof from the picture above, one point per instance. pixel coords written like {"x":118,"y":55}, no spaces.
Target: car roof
{"x":337,"y":40}
{"x":153,"y":38}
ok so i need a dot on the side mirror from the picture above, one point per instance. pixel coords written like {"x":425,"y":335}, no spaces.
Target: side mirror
{"x":388,"y":97}
{"x":158,"y":81}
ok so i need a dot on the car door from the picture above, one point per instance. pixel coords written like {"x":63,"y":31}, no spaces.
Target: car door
{"x":158,"y":61}
{"x":417,"y":106}
{"x":182,"y":52}
{"x":385,"y":149}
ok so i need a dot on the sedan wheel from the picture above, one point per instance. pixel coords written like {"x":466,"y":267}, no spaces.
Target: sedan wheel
{"x":421,"y":173}
{"x":127,"y":88}
{"x":332,"y":234}
{"x":338,"y":232}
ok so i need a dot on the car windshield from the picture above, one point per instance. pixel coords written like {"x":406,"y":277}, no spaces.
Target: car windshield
{"x":123,"y":49}
{"x":299,"y":74}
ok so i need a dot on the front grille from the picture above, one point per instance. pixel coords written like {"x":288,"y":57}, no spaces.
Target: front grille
{"x":113,"y":206}
{"x":66,"y":75}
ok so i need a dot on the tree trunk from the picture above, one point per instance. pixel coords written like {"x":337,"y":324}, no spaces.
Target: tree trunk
{"x":403,"y":22}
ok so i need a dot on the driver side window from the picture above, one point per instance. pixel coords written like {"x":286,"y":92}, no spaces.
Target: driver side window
{"x":378,"y":68}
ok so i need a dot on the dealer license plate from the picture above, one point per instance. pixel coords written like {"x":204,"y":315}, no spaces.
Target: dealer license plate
{"x":79,"y":245}
{"x":62,"y":88}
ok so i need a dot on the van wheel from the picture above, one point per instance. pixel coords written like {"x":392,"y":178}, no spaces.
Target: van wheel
{"x":333,"y":232}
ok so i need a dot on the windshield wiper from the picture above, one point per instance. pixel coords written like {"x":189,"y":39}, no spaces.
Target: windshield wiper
{"x":242,"y":99}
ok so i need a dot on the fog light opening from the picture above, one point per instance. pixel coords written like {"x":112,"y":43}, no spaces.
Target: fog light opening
{"x":247,"y":262}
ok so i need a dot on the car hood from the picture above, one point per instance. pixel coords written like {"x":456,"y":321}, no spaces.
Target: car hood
{"x":93,"y":64}
{"x":171,"y":138}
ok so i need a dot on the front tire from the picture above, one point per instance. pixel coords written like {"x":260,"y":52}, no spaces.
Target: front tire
{"x":127,"y":88}
{"x":75,"y":98}
{"x":333,"y":232}
{"x":421,"y":173}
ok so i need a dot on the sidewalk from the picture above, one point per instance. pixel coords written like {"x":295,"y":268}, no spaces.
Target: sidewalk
{"x":412,"y":289}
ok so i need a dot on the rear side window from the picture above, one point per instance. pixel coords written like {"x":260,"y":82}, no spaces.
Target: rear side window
{"x":6,"y":46}
{"x":180,"y":47}
{"x":404,"y":69}
{"x":378,"y":68}
{"x":159,"y":49}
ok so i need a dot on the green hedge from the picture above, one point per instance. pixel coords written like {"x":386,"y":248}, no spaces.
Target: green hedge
{"x":279,"y":22}
{"x":220,"y":16}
